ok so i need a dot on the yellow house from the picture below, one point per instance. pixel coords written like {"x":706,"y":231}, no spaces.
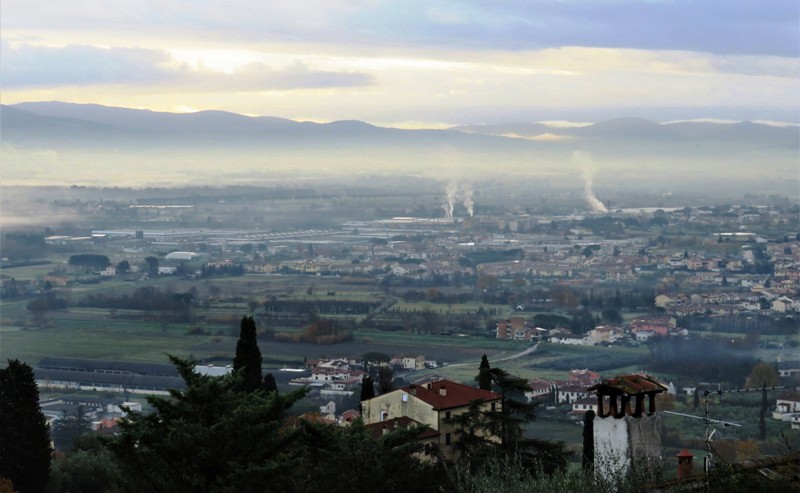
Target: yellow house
{"x":430,"y":404}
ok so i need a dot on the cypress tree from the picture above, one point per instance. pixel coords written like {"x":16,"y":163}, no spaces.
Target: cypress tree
{"x":270,"y":384}
{"x":587,"y":460}
{"x":24,"y":432}
{"x":248,"y":356}
{"x":484,"y":378}
{"x":367,"y":388}
{"x":385,"y":379}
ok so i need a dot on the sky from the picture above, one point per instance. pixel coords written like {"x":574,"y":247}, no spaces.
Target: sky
{"x":411,"y":63}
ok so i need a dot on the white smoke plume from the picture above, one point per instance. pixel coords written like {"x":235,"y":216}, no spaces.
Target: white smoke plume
{"x":468,"y":203}
{"x":584,"y":159}
{"x":452,"y":188}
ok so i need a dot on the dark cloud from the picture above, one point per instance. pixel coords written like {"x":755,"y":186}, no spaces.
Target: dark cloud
{"x":38,"y":66}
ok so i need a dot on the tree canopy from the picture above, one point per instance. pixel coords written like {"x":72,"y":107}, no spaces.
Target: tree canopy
{"x":212,"y":437}
{"x":215,"y":437}
{"x":89,"y":261}
{"x":763,"y":374}
{"x":69,"y":427}
{"x":24,"y":433}
{"x":486,"y":433}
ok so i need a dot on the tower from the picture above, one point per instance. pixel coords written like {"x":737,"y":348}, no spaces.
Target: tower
{"x":626,"y":427}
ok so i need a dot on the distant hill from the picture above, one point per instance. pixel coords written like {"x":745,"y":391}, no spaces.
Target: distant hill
{"x":646,"y":130}
{"x":95,"y":125}
{"x":54,"y":142}
{"x":92,"y":124}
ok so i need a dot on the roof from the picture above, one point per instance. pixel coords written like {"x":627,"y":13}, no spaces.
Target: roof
{"x":455,"y":394}
{"x":628,"y":384}
{"x":100,"y":379}
{"x":180,"y":256}
{"x":114,"y":367}
{"x":376,"y":429}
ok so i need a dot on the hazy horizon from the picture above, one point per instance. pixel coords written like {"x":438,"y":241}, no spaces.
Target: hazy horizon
{"x":418,"y":65}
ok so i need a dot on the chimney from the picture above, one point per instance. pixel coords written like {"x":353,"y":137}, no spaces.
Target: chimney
{"x":384,"y":430}
{"x":412,"y":389}
{"x":443,"y":390}
{"x":685,"y":466}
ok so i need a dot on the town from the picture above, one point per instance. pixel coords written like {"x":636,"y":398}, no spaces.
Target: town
{"x":703,"y":298}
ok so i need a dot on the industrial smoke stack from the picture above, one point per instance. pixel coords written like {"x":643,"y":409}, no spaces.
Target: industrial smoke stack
{"x":468,"y":203}
{"x":584,"y":159}
{"x":451,"y":199}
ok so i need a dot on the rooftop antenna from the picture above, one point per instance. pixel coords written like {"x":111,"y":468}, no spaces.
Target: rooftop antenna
{"x":709,"y":432}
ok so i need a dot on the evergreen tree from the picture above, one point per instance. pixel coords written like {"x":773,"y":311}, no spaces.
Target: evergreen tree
{"x":248,"y":355}
{"x":385,"y":379}
{"x":516,"y":411}
{"x":213,"y":437}
{"x":71,"y":425}
{"x":349,"y":459}
{"x":484,"y":379}
{"x":270,"y":384}
{"x":367,"y":388}
{"x":88,"y":468}
{"x":484,"y":432}
{"x":24,"y":433}
{"x":587,"y":460}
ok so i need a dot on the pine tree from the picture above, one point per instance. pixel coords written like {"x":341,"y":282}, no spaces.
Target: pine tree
{"x":24,"y":433}
{"x":248,"y":356}
{"x":476,"y":427}
{"x":484,"y":378}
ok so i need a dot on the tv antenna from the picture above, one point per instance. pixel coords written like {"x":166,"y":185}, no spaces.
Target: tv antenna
{"x":706,"y":417}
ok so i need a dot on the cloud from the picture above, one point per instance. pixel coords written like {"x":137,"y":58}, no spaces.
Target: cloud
{"x":714,"y":26}
{"x":28,"y":65}
{"x":724,"y":27}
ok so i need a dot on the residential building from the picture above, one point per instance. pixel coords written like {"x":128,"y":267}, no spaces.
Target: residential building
{"x":430,"y":404}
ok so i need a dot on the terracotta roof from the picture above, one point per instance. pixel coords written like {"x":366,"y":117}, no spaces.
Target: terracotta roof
{"x":455,"y":394}
{"x":628,"y":384}
{"x":376,"y":429}
{"x":350,"y":415}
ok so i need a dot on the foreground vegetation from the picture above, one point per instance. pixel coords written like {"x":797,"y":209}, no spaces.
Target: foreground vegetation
{"x":222,"y":434}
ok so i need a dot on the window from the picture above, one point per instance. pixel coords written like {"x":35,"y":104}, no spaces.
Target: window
{"x":447,"y":415}
{"x":447,"y":439}
{"x":493,"y":406}
{"x":384,"y":415}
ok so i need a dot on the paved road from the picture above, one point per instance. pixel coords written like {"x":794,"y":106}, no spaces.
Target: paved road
{"x":513,"y":356}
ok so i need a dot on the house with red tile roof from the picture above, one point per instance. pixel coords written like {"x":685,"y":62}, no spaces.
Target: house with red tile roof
{"x":430,"y":404}
{"x":428,"y":438}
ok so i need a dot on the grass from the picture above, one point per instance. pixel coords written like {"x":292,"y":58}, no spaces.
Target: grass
{"x":403,"y":306}
{"x":132,"y":345}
